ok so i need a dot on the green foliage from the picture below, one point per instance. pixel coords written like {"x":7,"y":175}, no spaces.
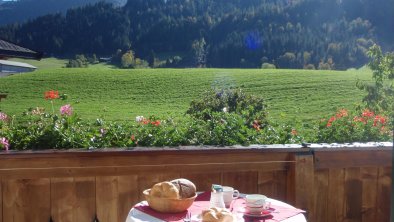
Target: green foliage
{"x":251,"y":109}
{"x":329,"y":65}
{"x":80,"y":61}
{"x":199,"y":52}
{"x":309,"y":66}
{"x":98,"y":28}
{"x":267,"y":65}
{"x":152,"y":61}
{"x":380,"y":93}
{"x":44,"y":130}
{"x":287,"y":60}
{"x":127,"y":59}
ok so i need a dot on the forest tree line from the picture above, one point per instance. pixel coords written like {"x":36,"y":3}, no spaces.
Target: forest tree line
{"x":217,"y":33}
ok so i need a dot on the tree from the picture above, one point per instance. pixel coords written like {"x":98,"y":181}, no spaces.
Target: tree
{"x":152,"y":59}
{"x":199,"y":50}
{"x":267,"y":65}
{"x":80,"y":61}
{"x":380,"y":93}
{"x":127,"y":59}
{"x":287,"y":60}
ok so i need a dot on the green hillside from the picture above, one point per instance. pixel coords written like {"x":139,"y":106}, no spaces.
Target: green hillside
{"x":123,"y":94}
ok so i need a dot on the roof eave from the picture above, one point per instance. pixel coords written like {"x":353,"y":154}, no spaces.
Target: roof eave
{"x":23,"y":55}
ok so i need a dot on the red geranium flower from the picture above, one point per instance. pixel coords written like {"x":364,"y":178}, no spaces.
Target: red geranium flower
{"x":368,"y":113}
{"x":51,"y":94}
{"x":341,"y":113}
{"x":379,"y":119}
{"x":360,"y":119}
{"x":332,"y":119}
{"x":294,"y":132}
{"x":145,"y":121}
{"x":156,"y":123}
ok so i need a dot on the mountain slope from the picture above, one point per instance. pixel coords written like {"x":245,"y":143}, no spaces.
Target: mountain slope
{"x":23,"y":10}
{"x":218,"y":33}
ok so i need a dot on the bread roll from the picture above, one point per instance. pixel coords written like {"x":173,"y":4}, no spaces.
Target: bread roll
{"x":217,"y":215}
{"x":186,"y":187}
{"x":165,"y":189}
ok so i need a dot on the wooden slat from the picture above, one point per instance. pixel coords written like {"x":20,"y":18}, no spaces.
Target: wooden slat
{"x":280,"y":185}
{"x":238,"y":181}
{"x":266,"y":184}
{"x":369,"y":176}
{"x":127,"y":195}
{"x":73,"y":199}
{"x":273,"y":184}
{"x":320,"y":197}
{"x":81,"y":160}
{"x":26,"y":200}
{"x":383,"y":194}
{"x":106,"y":199}
{"x":359,"y":158}
{"x":336,"y":191}
{"x":353,"y":194}
{"x":32,"y":173}
{"x":204,"y":181}
{"x":115,"y":197}
{"x":63,"y":199}
{"x":301,"y":183}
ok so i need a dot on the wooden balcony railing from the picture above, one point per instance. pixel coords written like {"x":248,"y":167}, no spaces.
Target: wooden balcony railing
{"x":346,"y":184}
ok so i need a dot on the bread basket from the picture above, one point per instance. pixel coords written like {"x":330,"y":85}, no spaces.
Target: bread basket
{"x":168,"y":205}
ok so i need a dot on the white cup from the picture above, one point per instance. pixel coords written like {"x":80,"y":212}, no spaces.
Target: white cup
{"x":229,"y":194}
{"x":256,"y":203}
{"x":255,"y":200}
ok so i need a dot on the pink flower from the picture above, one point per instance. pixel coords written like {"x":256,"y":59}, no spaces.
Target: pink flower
{"x":3,"y":116}
{"x":5,"y":143}
{"x":66,"y":110}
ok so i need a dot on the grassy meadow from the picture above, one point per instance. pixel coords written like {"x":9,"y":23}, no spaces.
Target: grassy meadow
{"x":115,"y":94}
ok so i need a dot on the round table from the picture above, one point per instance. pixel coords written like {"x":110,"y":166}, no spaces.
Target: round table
{"x":136,"y":215}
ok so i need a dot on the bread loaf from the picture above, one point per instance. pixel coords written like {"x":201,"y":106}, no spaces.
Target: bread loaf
{"x":186,"y":187}
{"x":165,"y":190}
{"x":217,"y":215}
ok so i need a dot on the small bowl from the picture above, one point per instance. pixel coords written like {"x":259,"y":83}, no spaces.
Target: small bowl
{"x":168,"y":205}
